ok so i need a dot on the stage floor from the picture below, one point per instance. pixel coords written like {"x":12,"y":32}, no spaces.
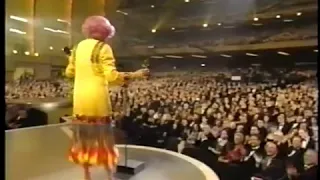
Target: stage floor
{"x":41,"y":153}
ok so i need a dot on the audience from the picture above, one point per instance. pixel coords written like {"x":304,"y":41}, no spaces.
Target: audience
{"x":28,"y":88}
{"x":255,"y":130}
{"x":21,"y":116}
{"x":242,"y":130}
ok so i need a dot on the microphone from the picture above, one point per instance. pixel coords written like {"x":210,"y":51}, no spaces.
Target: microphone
{"x":67,"y":51}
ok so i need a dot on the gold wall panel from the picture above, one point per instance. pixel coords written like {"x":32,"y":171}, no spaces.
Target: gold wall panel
{"x":24,"y":9}
{"x":47,"y":13}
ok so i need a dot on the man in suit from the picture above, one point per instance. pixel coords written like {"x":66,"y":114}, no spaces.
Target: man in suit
{"x":310,"y":165}
{"x":307,"y":141}
{"x":310,"y":168}
{"x":254,"y":156}
{"x":272,"y":168}
{"x":295,"y":153}
{"x":21,"y":120}
{"x":282,"y":125}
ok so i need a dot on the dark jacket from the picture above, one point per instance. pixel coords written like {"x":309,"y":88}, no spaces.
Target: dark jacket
{"x":295,"y":157}
{"x":309,"y":174}
{"x":275,"y":170}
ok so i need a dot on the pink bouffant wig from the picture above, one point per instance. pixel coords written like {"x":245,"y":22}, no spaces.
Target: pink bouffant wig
{"x":98,"y":27}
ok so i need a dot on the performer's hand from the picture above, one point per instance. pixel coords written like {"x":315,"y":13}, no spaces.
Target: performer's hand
{"x":141,"y":73}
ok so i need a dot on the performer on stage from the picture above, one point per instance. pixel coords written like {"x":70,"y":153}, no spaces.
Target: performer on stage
{"x":92,"y":65}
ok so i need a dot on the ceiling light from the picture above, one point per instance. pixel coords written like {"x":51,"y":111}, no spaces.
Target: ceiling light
{"x":283,"y":53}
{"x":251,"y":54}
{"x":153,"y":30}
{"x":15,"y":52}
{"x":157,"y":57}
{"x":199,"y":56}
{"x":219,"y":24}
{"x":49,"y":29}
{"x":205,"y":25}
{"x":287,"y":20}
{"x":121,"y":12}
{"x":51,"y":48}
{"x":55,"y":30}
{"x":17,"y":31}
{"x":256,"y":19}
{"x":19,"y":19}
{"x":299,"y":13}
{"x":152,"y":6}
{"x":186,"y":1}
{"x":173,"y":28}
{"x":305,"y":63}
{"x":316,"y":50}
{"x":63,"y":21}
{"x":27,"y":53}
{"x":257,"y":24}
{"x":63,"y":32}
{"x":36,"y":54}
{"x":225,"y":55}
{"x":203,"y":65}
{"x":176,"y":57}
{"x":278,"y":16}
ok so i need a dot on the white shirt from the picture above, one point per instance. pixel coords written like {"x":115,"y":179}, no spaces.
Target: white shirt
{"x":305,"y":142}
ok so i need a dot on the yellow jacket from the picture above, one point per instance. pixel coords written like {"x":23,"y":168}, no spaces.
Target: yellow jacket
{"x":92,"y":65}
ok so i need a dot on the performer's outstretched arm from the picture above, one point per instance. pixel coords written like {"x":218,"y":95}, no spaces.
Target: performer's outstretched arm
{"x":70,"y":70}
{"x":113,"y":77}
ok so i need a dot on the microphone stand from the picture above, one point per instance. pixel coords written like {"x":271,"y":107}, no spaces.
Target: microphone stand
{"x":125,"y":101}
{"x":129,"y":166}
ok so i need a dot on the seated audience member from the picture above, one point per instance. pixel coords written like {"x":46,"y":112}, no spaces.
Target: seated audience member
{"x":295,"y":153}
{"x":220,"y":146}
{"x":255,"y":153}
{"x":310,"y":168}
{"x":291,"y":172}
{"x":237,"y":153}
{"x":307,"y":141}
{"x":271,"y":166}
{"x":228,"y":166}
{"x":310,"y":165}
{"x":262,"y":128}
{"x":19,"y":121}
{"x":282,"y":125}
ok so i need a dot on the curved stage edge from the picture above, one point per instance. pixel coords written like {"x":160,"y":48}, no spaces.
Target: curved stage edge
{"x":40,"y":153}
